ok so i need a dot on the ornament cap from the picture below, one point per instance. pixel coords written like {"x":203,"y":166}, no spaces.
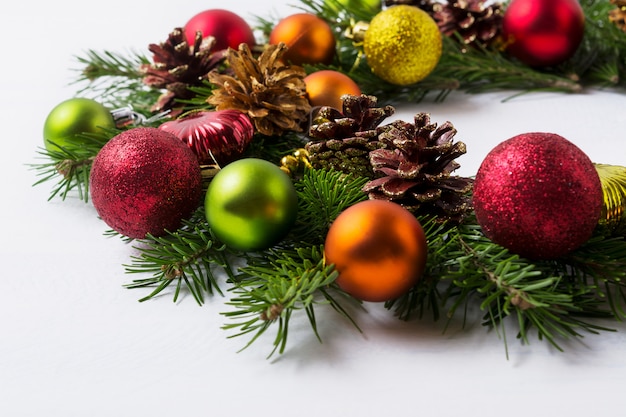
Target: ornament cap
{"x":357,"y":31}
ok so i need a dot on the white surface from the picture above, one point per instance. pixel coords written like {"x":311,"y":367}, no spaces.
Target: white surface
{"x":73,"y":342}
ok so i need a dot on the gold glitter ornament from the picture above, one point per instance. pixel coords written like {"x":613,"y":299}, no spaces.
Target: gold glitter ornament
{"x":402,"y":44}
{"x":613,"y":180}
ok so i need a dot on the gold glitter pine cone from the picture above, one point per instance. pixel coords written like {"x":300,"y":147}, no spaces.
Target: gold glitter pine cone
{"x":271,"y":93}
{"x":415,"y":167}
{"x":343,"y":140}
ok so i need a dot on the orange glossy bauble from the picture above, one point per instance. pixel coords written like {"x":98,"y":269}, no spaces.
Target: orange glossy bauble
{"x":309,"y":38}
{"x":378,"y":248}
{"x":325,"y":88}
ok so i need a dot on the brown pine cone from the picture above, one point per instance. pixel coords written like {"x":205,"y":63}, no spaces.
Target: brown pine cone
{"x":343,"y":140}
{"x":415,"y":167}
{"x":618,"y":15}
{"x":474,"y":21}
{"x":426,"y":5}
{"x":270,"y":92}
{"x":177,"y":66}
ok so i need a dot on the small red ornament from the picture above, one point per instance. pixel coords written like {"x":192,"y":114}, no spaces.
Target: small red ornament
{"x":145,"y":181}
{"x":543,"y":32}
{"x":538,"y":195}
{"x":325,"y":88}
{"x":378,"y":248}
{"x":214,"y":136}
{"x":309,"y":38}
{"x":228,"y":29}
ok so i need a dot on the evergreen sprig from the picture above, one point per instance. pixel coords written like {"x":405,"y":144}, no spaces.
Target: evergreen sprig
{"x":275,"y":285}
{"x":70,"y":166}
{"x":187,"y":257}
{"x":115,"y":80}
{"x":322,"y":196}
{"x":556,"y":298}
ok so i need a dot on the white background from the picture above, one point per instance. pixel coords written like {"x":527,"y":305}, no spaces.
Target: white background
{"x":73,"y":342}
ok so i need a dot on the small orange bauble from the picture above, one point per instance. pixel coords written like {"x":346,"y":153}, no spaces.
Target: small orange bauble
{"x":325,"y":88}
{"x":309,"y":38}
{"x":378,"y":248}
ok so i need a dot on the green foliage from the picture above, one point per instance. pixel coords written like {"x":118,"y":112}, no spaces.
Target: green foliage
{"x":70,"y":166}
{"x":558,"y":299}
{"x":186,"y":257}
{"x":115,"y":80}
{"x":322,"y":196}
{"x":274,"y":286}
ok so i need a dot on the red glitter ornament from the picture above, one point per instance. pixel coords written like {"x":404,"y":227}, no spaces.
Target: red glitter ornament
{"x":214,"y":136}
{"x":538,"y":195}
{"x":145,"y":181}
{"x":229,"y":29}
{"x":543,"y":32}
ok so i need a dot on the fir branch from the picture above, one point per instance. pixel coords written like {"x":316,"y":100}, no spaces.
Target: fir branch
{"x":602,"y":262}
{"x":601,"y":56}
{"x":70,"y":166}
{"x":116,"y":80}
{"x":479,"y":70}
{"x":322,"y":196}
{"x":544,"y":295}
{"x":186,"y":257}
{"x":274,"y":286}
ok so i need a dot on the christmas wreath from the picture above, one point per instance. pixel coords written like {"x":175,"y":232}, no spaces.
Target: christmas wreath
{"x":260,"y":166}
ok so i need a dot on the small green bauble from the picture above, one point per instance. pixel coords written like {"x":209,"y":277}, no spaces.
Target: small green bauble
{"x":73,"y":117}
{"x":369,"y":6}
{"x":251,"y":204}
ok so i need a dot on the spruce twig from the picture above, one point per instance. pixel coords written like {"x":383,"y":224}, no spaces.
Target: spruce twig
{"x":115,"y":80}
{"x":274,"y":286}
{"x":552,"y":297}
{"x":186,"y":257}
{"x":69,"y":165}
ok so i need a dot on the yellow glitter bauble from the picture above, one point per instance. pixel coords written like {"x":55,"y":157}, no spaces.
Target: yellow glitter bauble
{"x":402,"y":44}
{"x":613,"y":179}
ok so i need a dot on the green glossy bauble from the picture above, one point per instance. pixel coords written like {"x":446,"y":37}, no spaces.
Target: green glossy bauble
{"x":73,"y":117}
{"x":251,"y":204}
{"x":370,"y":6}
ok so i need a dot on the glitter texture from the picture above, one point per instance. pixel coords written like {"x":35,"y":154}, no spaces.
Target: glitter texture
{"x":613,"y":179}
{"x":538,"y":195}
{"x":215,"y":137}
{"x":402,"y":44}
{"x":145,"y":181}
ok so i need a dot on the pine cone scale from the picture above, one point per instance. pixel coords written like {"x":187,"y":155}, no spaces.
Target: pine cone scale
{"x":415,"y":169}
{"x":271,"y":93}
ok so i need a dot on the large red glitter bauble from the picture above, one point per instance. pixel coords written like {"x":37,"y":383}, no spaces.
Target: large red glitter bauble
{"x":214,"y":136}
{"x":543,"y":32}
{"x":145,"y":181}
{"x":229,"y":29}
{"x":538,"y":195}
